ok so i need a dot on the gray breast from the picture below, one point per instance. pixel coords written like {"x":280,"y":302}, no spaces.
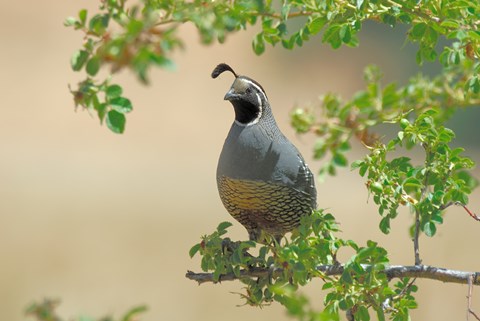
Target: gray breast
{"x":264,"y":154}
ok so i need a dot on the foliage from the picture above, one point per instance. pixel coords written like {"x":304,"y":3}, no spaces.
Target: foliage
{"x":362,"y":287}
{"x":45,"y":311}
{"x":442,"y":179}
{"x":145,"y":34}
{"x":337,"y":122}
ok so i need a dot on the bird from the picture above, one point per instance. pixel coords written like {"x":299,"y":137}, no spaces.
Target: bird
{"x":263,"y":180}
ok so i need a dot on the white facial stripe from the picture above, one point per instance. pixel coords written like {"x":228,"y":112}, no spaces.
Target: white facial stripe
{"x":256,"y":86}
{"x":260,"y":104}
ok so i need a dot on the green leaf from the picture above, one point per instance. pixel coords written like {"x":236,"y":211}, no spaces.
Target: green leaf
{"x":332,"y":36}
{"x":82,"y":15}
{"x":412,"y":182}
{"x":356,"y":164}
{"x":474,"y":35}
{"x":113,"y":91}
{"x":121,"y":105}
{"x":316,"y":25}
{"x":132,"y":314}
{"x":418,"y":31}
{"x":223,"y":226}
{"x":347,"y":277}
{"x":345,"y":33}
{"x":99,"y":23}
{"x":380,"y":314}
{"x":429,"y":228}
{"x":69,"y":21}
{"x":362,"y":314}
{"x":385,"y":225}
{"x":115,"y":121}
{"x":450,"y":23}
{"x":258,"y":44}
{"x":162,"y":61}
{"x":363,"y":170}
{"x":376,"y":187}
{"x":93,"y":65}
{"x":474,"y":85}
{"x":194,"y":250}
{"x":285,"y":11}
{"x":340,"y":160}
{"x":204,"y":263}
{"x":389,"y":20}
{"x":79,"y":58}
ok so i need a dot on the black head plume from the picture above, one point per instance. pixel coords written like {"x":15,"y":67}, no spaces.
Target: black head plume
{"x":221,"y":68}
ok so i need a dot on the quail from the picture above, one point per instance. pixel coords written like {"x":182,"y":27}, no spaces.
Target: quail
{"x":263,"y":180}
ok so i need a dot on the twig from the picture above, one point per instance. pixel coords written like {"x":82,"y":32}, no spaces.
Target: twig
{"x":416,"y":11}
{"x":473,"y":215}
{"x":469,"y":298}
{"x":475,"y":315}
{"x":350,"y":316}
{"x":416,"y":235}
{"x":392,"y":271}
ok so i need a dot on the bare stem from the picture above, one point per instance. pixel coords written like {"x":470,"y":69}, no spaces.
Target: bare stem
{"x":416,"y":235}
{"x":469,"y":299}
{"x":473,"y":215}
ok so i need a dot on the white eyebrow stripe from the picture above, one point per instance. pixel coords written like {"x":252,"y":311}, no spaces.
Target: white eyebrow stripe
{"x":256,"y":86}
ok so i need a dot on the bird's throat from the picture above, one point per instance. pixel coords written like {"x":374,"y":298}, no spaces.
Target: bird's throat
{"x":245,"y":112}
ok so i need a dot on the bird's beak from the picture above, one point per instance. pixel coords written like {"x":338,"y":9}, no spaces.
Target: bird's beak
{"x":230,"y":95}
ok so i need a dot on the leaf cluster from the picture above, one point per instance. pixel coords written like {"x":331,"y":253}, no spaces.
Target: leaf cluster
{"x":362,"y":288}
{"x":337,"y":122}
{"x":139,"y":36}
{"x":429,"y":188}
{"x":45,"y":311}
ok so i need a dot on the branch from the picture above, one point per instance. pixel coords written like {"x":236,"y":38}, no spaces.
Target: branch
{"x":416,"y":235}
{"x":416,"y":12}
{"x":472,"y":215}
{"x":469,"y":300}
{"x":392,"y":271}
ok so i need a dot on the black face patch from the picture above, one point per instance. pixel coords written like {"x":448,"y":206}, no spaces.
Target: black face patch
{"x":245,"y":111}
{"x":248,"y":100}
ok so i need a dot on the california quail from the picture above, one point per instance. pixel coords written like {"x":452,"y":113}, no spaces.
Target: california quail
{"x":262,"y":179}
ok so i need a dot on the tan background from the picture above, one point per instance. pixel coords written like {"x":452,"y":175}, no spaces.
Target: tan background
{"x":105,"y":221}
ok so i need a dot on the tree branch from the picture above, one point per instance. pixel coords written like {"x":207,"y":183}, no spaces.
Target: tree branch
{"x":392,"y":271}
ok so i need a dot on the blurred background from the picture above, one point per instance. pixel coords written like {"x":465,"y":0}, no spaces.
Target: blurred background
{"x":104,"y":221}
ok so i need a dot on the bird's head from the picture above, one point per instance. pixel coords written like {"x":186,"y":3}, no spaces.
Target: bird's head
{"x":246,"y":95}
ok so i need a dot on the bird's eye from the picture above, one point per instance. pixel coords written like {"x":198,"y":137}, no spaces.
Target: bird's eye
{"x":249,"y":90}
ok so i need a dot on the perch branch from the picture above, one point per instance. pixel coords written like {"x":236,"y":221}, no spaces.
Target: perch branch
{"x":392,"y":271}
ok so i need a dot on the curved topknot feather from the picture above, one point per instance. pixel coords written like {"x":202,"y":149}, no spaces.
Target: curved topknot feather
{"x":221,"y":68}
